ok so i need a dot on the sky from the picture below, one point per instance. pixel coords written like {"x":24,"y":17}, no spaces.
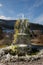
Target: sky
{"x":15,"y":9}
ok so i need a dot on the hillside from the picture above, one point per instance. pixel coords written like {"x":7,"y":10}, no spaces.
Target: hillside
{"x":10,"y":24}
{"x":36,"y":31}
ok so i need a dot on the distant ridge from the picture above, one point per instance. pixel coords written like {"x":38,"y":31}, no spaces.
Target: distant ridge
{"x":9,"y":24}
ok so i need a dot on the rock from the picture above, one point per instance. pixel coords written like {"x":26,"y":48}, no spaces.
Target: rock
{"x":2,"y":64}
{"x":4,"y":58}
{"x":28,"y":58}
{"x":13,"y":59}
{"x":8,"y":57}
{"x":1,"y":53}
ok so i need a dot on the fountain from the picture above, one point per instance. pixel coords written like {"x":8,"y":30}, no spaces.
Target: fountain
{"x":21,"y":36}
{"x":21,"y":32}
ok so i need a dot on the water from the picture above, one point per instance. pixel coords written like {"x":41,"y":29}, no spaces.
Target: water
{"x":8,"y":31}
